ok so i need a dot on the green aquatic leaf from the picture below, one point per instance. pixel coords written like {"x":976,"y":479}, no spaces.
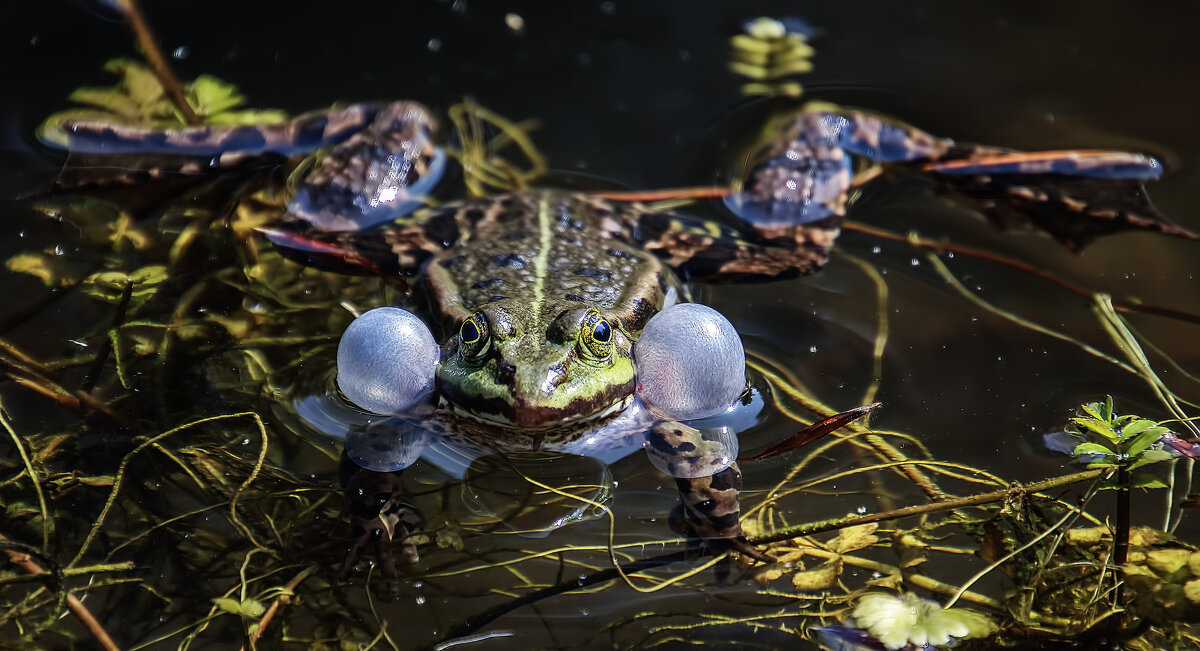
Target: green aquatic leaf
{"x":209,"y":95}
{"x":110,"y":99}
{"x":137,"y":81}
{"x":1144,"y":440}
{"x":1097,"y":426}
{"x":1091,"y":448}
{"x":898,"y":621}
{"x":1135,"y":426}
{"x":1151,"y":456}
{"x":1145,"y":480}
{"x":1093,"y":409}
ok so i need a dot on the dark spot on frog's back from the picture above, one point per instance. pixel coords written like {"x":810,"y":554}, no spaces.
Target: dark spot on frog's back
{"x":640,"y":314}
{"x":511,"y":260}
{"x":474,"y":215}
{"x":599,"y":274}
{"x":311,"y":132}
{"x":453,"y":262}
{"x":497,"y":297}
{"x":516,"y":236}
{"x":490,"y":282}
{"x":575,"y":297}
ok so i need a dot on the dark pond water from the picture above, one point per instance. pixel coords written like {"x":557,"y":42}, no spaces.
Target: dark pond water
{"x":635,"y":95}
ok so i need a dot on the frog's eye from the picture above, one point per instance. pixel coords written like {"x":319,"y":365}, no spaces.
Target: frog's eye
{"x":595,"y":337}
{"x":474,"y":338}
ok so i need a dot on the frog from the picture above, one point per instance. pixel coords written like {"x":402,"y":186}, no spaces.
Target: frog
{"x":543,"y":319}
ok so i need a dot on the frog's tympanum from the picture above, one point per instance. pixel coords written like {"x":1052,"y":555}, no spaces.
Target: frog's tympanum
{"x":555,"y":321}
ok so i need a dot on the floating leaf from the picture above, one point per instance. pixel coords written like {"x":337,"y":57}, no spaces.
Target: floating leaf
{"x":855,"y":538}
{"x":821,"y":578}
{"x":898,"y":621}
{"x":1191,"y":591}
{"x":1166,"y":562}
{"x":139,"y":82}
{"x":113,"y":101}
{"x":1145,"y":480}
{"x":209,"y":95}
{"x":1151,"y":456}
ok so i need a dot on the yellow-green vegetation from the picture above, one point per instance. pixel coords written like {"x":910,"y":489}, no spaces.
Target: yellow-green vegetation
{"x":140,"y":99}
{"x":769,"y":54}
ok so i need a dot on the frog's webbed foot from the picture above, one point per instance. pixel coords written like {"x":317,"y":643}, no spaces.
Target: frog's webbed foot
{"x":708,"y":481}
{"x":709,"y":514}
{"x":378,"y":173}
{"x":379,"y":515}
{"x":800,"y":178}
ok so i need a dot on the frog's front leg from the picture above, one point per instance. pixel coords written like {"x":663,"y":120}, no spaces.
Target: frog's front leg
{"x":379,"y":514}
{"x":708,"y":479}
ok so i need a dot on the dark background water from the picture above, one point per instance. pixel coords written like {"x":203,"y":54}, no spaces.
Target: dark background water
{"x":637,"y":94}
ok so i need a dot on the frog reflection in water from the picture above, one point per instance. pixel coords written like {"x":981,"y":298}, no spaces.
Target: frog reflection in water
{"x":562,"y":321}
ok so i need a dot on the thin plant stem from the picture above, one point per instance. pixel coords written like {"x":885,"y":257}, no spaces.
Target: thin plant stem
{"x":162,"y":69}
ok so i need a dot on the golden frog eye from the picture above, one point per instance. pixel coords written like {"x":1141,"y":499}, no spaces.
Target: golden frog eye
{"x":595,"y":337}
{"x":474,"y":337}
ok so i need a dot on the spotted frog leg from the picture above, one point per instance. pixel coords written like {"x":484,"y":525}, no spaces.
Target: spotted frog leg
{"x":709,"y":479}
{"x":370,"y":162}
{"x":798,"y":182}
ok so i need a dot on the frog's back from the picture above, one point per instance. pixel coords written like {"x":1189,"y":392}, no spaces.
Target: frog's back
{"x":546,"y":250}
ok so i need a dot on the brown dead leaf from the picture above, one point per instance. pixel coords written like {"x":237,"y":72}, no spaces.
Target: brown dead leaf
{"x":909,"y":548}
{"x":768,"y":573}
{"x":854,"y":538}
{"x":821,"y":578}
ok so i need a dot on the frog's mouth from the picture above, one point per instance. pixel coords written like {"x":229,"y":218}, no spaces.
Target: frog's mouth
{"x":528,"y":415}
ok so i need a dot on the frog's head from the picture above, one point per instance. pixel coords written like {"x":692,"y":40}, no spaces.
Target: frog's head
{"x":505,"y":365}
{"x":512,"y":366}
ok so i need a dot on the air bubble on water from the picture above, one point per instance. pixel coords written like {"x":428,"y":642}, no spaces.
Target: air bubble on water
{"x":420,"y":600}
{"x":861,"y":510}
{"x":180,"y":52}
{"x":812,"y":349}
{"x":876,"y":249}
{"x":915,"y":262}
{"x":434,"y":44}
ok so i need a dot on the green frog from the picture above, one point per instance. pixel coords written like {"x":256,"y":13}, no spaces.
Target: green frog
{"x":558,"y":321}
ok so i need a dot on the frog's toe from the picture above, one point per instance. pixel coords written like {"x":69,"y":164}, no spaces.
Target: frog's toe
{"x":690,"y":362}
{"x":386,"y":361}
{"x":770,"y":212}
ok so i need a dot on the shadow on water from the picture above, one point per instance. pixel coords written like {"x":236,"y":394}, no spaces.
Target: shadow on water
{"x":188,"y":476}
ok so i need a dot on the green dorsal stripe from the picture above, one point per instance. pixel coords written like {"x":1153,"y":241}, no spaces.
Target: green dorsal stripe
{"x":546,"y":240}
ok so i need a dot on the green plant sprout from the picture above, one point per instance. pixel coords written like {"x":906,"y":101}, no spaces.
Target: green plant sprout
{"x":1123,"y":443}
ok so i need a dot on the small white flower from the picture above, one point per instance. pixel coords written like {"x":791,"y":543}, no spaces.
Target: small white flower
{"x":908,"y":619}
